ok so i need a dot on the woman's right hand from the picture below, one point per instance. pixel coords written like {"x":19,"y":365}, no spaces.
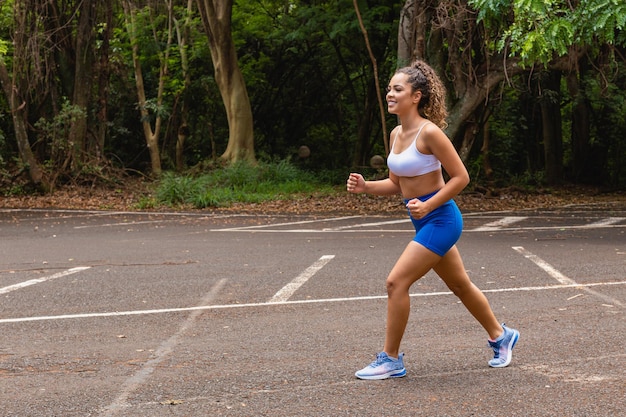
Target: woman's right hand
{"x":355,"y":183}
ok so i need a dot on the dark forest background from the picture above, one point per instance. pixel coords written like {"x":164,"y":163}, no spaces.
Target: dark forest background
{"x":95,"y":89}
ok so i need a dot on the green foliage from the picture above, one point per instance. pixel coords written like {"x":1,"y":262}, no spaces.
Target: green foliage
{"x":175,"y":189}
{"x":147,"y":203}
{"x":14,"y":190}
{"x":4,"y":47}
{"x":539,"y":30}
{"x":3,"y":147}
{"x":240,"y":182}
{"x":6,"y":24}
{"x":509,"y":128}
{"x":55,"y":132}
{"x":310,"y":82}
{"x":608,"y":147}
{"x":528,"y":179}
{"x":308,"y":73}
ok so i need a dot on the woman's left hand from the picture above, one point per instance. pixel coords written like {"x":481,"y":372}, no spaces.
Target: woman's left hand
{"x":418,"y":208}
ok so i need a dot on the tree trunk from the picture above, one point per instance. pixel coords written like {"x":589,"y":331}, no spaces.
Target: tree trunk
{"x":181,"y":136}
{"x":447,"y":36}
{"x":82,"y":80}
{"x":184,"y":36}
{"x":418,"y":38}
{"x":216,"y":17}
{"x":366,"y":120}
{"x":151,"y":136}
{"x":469,"y":137}
{"x":19,"y":124}
{"x":580,"y":135}
{"x":552,"y":127}
{"x":379,"y":97}
{"x":103,"y":80}
{"x":412,"y":31}
{"x":11,"y":87}
{"x":484,"y":150}
{"x":474,"y":97}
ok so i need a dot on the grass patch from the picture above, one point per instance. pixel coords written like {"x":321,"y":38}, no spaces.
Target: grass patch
{"x":238,"y":183}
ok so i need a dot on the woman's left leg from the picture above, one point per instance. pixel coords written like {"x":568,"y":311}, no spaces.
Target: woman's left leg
{"x":452,"y":271}
{"x":414,"y":263}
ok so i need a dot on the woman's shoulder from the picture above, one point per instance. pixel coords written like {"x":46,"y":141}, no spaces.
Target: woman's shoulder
{"x":394,"y":133}
{"x":432,"y":130}
{"x":395,"y":130}
{"x":433,"y":137}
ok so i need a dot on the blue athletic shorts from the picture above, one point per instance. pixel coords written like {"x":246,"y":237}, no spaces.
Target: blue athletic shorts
{"x":440,"y":229}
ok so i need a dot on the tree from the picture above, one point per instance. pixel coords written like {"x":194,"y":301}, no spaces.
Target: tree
{"x":151,"y":133}
{"x":183,"y":35}
{"x":551,"y":128}
{"x":83,"y":77}
{"x":69,"y":101}
{"x":376,"y":76}
{"x":563,"y":37}
{"x":103,"y":77}
{"x":216,"y":17}
{"x":15,"y":88}
{"x":51,"y":71}
{"x":478,"y":44}
{"x":445,"y":34}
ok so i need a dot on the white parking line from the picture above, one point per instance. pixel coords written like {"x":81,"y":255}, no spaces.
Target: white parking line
{"x":295,"y":302}
{"x":24,"y":284}
{"x":554,"y":273}
{"x":91,"y":226}
{"x":288,"y":290}
{"x":606,"y":222}
{"x":562,"y":227}
{"x":499,"y":224}
{"x":545,"y":266}
{"x":263,"y":226}
{"x":335,"y":229}
{"x":140,"y":377}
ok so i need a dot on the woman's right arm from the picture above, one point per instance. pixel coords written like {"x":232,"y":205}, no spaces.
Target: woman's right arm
{"x":388,"y":186}
{"x":357,"y":184}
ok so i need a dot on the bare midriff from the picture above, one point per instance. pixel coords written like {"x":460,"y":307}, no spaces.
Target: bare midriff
{"x":422,"y":184}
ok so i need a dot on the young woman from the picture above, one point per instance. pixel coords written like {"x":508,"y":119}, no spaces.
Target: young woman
{"x":419,"y":149}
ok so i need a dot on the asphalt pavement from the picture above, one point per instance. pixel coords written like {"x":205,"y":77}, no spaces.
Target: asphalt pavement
{"x":210,"y":314}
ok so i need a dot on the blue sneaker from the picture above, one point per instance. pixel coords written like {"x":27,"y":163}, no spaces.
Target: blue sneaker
{"x":503,"y":347}
{"x":383,"y":367}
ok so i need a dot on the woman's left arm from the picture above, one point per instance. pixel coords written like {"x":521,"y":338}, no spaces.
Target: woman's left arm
{"x":443,"y":149}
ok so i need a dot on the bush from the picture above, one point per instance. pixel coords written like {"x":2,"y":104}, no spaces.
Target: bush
{"x":239,"y":182}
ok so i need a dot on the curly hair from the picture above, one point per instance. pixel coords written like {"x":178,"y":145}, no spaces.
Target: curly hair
{"x":432,"y":105}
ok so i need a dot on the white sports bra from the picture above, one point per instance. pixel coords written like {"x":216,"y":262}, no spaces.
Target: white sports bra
{"x":411,"y":162}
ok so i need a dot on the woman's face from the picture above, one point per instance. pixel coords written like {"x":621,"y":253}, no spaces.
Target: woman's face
{"x":400,"y":97}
